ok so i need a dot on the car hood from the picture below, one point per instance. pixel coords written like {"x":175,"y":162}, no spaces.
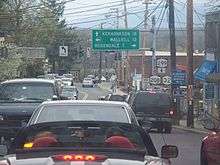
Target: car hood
{"x":17,"y":109}
{"x":149,"y":160}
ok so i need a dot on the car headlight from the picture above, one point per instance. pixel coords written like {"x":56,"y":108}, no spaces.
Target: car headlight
{"x":1,"y":118}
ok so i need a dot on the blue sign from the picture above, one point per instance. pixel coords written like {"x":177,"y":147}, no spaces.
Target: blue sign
{"x":179,"y":77}
{"x":205,"y":69}
{"x":209,"y":91}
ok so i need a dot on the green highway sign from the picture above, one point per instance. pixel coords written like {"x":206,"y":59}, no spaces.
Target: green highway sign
{"x":104,"y":40}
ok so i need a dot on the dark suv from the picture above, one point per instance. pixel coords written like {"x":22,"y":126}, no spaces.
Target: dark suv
{"x":18,"y":99}
{"x":154,"y":107}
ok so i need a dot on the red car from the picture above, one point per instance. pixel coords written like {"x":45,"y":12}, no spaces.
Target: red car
{"x":210,"y":150}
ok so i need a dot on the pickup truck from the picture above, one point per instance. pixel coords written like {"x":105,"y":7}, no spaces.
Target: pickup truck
{"x":18,"y":100}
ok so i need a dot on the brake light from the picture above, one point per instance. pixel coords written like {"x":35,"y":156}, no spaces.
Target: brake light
{"x":73,"y":157}
{"x":28,"y":145}
{"x":171,"y":112}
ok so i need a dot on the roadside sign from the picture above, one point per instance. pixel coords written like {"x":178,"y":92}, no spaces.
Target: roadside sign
{"x":137,"y":77}
{"x":63,"y":51}
{"x":155,"y":80}
{"x":103,"y":40}
{"x":166,"y":80}
{"x":161,"y":70}
{"x":209,"y":91}
{"x":162,"y":63}
{"x":205,"y":69}
{"x":88,"y":52}
{"x":179,"y":77}
{"x":32,"y":52}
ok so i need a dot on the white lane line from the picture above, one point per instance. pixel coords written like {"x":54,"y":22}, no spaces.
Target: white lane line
{"x":85,"y":95}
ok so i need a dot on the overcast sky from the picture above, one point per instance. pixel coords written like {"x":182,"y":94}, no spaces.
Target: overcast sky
{"x":90,"y":13}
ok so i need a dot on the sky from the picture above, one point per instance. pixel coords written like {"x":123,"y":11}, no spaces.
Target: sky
{"x":91,"y":13}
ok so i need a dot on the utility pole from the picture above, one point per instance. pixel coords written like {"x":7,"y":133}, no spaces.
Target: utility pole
{"x":125,"y":13}
{"x":126,"y":53}
{"x":190,"y":117}
{"x":146,"y":2}
{"x":154,"y":46}
{"x":100,"y":60}
{"x":172,"y":47}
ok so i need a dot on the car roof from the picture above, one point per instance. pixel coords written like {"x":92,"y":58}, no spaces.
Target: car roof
{"x":27,"y":80}
{"x":85,"y":102}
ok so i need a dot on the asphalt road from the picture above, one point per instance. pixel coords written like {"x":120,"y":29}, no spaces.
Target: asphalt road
{"x":90,"y":93}
{"x":188,"y":143}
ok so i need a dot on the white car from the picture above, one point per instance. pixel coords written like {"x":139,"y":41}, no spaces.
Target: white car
{"x":67,"y":81}
{"x":88,"y":82}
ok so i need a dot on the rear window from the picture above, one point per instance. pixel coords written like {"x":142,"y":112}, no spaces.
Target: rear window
{"x":152,"y":99}
{"x":83,"y":113}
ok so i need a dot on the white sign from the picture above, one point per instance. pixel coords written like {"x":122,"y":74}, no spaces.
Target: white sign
{"x":162,"y":63}
{"x":166,"y":80}
{"x":63,"y":51}
{"x":32,"y":52}
{"x":155,"y":80}
{"x":161,"y":70}
{"x":137,"y":77}
{"x":88,"y":52}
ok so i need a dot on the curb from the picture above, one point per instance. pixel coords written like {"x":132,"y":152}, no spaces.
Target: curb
{"x":193,"y":130}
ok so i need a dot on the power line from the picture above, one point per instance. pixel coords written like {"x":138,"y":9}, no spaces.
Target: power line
{"x":149,"y":14}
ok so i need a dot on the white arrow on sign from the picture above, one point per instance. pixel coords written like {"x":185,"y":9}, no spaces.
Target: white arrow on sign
{"x":96,"y":34}
{"x":133,"y":45}
{"x":98,"y":39}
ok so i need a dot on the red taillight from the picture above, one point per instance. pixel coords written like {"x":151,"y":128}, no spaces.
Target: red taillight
{"x":171,"y":112}
{"x":80,"y":157}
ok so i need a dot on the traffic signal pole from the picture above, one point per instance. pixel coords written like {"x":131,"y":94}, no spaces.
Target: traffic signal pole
{"x":190,"y":117}
{"x":100,"y":61}
{"x":172,"y":51}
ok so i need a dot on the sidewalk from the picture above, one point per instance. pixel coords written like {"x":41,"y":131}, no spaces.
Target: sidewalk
{"x":198,"y":128}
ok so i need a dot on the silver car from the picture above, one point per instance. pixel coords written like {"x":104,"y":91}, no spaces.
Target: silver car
{"x":83,"y":110}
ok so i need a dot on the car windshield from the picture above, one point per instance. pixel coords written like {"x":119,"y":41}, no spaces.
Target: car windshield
{"x":82,"y":135}
{"x":82,"y":112}
{"x":26,"y":91}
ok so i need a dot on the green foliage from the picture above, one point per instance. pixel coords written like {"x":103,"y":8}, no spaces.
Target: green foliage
{"x":9,"y":68}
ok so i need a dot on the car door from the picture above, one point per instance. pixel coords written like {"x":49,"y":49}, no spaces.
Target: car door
{"x":213,"y":149}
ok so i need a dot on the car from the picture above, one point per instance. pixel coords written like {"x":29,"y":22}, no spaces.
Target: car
{"x":67,"y":81}
{"x":115,"y":97}
{"x":18,"y":99}
{"x":93,"y":78}
{"x":155,"y":107}
{"x":70,"y":93}
{"x":86,"y":142}
{"x":74,"y":110}
{"x":87,"y":82}
{"x":210,"y":148}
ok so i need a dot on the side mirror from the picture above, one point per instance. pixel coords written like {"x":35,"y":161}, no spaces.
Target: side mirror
{"x":55,"y":97}
{"x":169,"y":151}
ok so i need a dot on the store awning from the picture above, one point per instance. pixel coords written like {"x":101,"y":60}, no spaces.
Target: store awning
{"x":205,"y":69}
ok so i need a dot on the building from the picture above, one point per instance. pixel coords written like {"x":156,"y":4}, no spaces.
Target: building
{"x":139,"y":63}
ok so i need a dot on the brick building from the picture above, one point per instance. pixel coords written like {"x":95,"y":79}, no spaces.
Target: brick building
{"x":137,"y":60}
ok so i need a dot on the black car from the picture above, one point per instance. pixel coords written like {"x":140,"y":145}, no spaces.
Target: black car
{"x":155,"y":107}
{"x":86,"y":142}
{"x":18,"y":99}
{"x":115,"y":97}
